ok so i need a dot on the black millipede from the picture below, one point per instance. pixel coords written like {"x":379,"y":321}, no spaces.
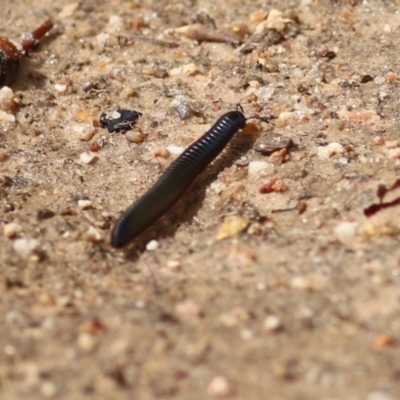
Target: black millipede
{"x":176,"y":179}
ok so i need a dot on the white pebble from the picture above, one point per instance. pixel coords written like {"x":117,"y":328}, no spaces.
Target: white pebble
{"x":345,"y":231}
{"x":394,"y":153}
{"x":219,"y":387}
{"x":174,"y":149}
{"x":261,"y":168}
{"x":387,"y":28}
{"x":6,"y":98}
{"x":6,"y":117}
{"x":190,"y":69}
{"x":217,"y":187}
{"x":87,"y":157}
{"x":48,"y":389}
{"x":93,"y":235}
{"x":272,"y":323}
{"x":60,"y":88}
{"x":115,"y":24}
{"x":265,"y":93}
{"x":175,"y":71}
{"x":246,"y":334}
{"x":286,"y":115}
{"x":173,"y":265}
{"x":102,"y":38}
{"x":152,"y":245}
{"x":324,"y":152}
{"x":68,"y":10}
{"x":84,"y":204}
{"x":11,"y":230}
{"x":379,"y":395}
{"x":379,"y":80}
{"x":83,"y":132}
{"x":188,"y":309}
{"x":25,"y":247}
{"x":86,"y":341}
{"x":6,"y":93}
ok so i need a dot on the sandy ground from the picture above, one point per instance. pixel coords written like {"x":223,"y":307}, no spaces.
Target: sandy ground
{"x":267,"y":281}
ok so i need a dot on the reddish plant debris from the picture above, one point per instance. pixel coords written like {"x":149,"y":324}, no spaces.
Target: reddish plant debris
{"x":68,"y":211}
{"x":381,"y":193}
{"x":383,"y":340}
{"x":329,"y":54}
{"x":95,"y":147}
{"x":273,"y":185}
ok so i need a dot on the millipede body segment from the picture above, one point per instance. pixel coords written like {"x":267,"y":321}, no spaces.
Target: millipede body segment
{"x":176,"y":179}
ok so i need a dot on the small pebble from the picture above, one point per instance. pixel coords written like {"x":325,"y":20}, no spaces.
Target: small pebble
{"x":48,"y":389}
{"x":362,"y":116}
{"x":86,"y":341}
{"x":6,"y":99}
{"x":163,"y":153}
{"x":246,"y":334}
{"x":84,"y":204}
{"x":260,"y":168}
{"x":93,"y":235}
{"x":115,"y":25}
{"x":379,"y":395}
{"x":183,"y":106}
{"x":87,"y":157}
{"x":11,"y":230}
{"x":26,"y":247}
{"x":324,"y":152}
{"x":383,"y":340}
{"x":378,"y":140}
{"x":83,"y":116}
{"x":391,"y":144}
{"x":272,"y":323}
{"x":394,"y":154}
{"x":313,"y":282}
{"x":188,"y":308}
{"x":379,"y":80}
{"x":345,"y":231}
{"x":258,"y":16}
{"x":83,"y":132}
{"x":190,"y":69}
{"x":68,"y":10}
{"x":135,"y":137}
{"x":60,"y":88}
{"x":174,"y":149}
{"x":6,"y":117}
{"x":152,"y":245}
{"x":173,"y":265}
{"x":219,"y":386}
{"x":277,"y":157}
{"x":274,"y":20}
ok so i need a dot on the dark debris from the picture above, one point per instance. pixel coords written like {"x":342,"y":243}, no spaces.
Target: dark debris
{"x":119,"y":120}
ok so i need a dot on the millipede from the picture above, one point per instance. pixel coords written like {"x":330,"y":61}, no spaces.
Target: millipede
{"x":176,"y":179}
